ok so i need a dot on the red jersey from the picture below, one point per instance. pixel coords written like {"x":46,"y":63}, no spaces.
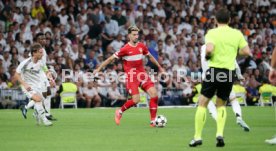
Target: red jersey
{"x":133,"y":62}
{"x":133,"y":57}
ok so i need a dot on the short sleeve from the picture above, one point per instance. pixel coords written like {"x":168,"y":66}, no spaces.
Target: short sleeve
{"x":19,"y":69}
{"x":121,"y":53}
{"x":209,"y":38}
{"x":145,"y":50}
{"x":242,"y":42}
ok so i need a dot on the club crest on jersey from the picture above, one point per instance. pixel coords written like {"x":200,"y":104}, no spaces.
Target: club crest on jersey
{"x":141,"y":50}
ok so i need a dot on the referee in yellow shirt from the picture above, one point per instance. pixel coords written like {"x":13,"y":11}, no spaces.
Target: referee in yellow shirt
{"x":222,"y":46}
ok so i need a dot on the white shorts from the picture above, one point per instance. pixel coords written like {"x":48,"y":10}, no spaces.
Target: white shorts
{"x":35,"y":90}
{"x":232,"y":95}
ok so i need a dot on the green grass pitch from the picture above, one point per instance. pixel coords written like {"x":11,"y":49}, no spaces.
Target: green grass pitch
{"x":95,"y":130}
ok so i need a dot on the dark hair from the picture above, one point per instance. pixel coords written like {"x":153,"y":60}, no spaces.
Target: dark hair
{"x":38,"y":35}
{"x":132,"y":28}
{"x":35,"y":47}
{"x":223,"y":16}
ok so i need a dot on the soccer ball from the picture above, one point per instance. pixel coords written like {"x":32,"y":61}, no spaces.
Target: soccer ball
{"x":160,"y":121}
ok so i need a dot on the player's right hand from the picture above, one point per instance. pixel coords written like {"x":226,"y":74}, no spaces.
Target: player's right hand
{"x":27,"y":87}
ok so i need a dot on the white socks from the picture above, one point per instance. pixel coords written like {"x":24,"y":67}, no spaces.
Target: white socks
{"x":212,"y":109}
{"x":40,"y":110}
{"x":236,"y":107}
{"x":47,"y":105}
{"x":30,"y":104}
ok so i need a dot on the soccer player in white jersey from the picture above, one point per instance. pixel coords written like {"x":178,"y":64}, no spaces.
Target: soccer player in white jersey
{"x":40,"y":38}
{"x":28,"y":73}
{"x":234,"y":102}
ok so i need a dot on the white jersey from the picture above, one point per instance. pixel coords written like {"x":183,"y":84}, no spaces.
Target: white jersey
{"x":31,"y":72}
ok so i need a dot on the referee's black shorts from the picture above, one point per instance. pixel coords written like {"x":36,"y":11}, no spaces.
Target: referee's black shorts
{"x":218,"y":81}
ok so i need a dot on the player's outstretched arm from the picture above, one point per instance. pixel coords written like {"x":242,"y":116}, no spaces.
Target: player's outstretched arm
{"x":104,"y":64}
{"x":154,"y":61}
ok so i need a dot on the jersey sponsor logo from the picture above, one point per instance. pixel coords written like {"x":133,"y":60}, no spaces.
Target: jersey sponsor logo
{"x":32,"y":71}
{"x":133,"y":58}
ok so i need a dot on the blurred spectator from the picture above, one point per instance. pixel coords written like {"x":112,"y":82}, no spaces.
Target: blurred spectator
{"x":91,"y":95}
{"x":252,"y":95}
{"x":118,"y":17}
{"x":82,"y":28}
{"x":3,"y":76}
{"x":63,"y":17}
{"x":180,"y":68}
{"x":117,"y":43}
{"x":54,"y":19}
{"x":91,"y":61}
{"x":115,"y":95}
{"x":159,"y":11}
{"x":6,"y":61}
{"x":178,"y":52}
{"x":111,"y":27}
{"x":3,"y":84}
{"x":38,"y":11}
{"x":68,"y":87}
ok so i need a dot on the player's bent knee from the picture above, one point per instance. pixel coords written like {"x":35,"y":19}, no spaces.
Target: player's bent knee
{"x":37,"y":98}
{"x":152,"y":92}
{"x":203,"y":101}
{"x":220,"y":102}
{"x":136,"y":98}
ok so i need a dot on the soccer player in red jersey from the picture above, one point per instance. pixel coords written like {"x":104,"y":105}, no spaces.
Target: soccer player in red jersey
{"x":132,"y":54}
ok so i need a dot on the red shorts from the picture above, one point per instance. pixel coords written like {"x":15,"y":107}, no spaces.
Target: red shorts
{"x":133,"y":86}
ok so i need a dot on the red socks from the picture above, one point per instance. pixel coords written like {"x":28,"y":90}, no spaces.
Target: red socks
{"x":127,"y":105}
{"x":153,"y":105}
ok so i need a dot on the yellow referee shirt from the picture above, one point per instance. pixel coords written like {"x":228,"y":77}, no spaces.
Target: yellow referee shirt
{"x":227,"y":41}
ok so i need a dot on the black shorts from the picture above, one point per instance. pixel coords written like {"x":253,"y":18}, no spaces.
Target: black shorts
{"x":218,"y":81}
